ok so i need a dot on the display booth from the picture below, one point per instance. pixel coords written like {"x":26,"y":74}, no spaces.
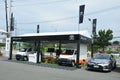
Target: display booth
{"x":79,"y":40}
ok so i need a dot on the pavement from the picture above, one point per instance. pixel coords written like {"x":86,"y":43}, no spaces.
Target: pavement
{"x":19,"y":70}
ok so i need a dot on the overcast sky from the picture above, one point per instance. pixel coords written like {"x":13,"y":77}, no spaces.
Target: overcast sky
{"x":62,"y":15}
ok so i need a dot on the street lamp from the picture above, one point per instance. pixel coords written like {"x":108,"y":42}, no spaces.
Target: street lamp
{"x":93,"y":22}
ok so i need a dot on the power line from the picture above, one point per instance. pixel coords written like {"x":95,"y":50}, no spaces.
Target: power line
{"x":105,"y":10}
{"x":51,"y":2}
{"x":55,"y":20}
{"x":72,"y":17}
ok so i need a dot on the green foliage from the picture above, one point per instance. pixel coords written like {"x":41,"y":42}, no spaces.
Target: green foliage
{"x":116,"y":42}
{"x":2,"y":44}
{"x":96,"y":48}
{"x":102,"y":39}
{"x":109,"y":52}
{"x":25,"y":44}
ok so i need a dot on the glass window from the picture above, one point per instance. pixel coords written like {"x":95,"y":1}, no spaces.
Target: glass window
{"x":30,"y":49}
{"x":23,"y":49}
{"x":102,"y":56}
{"x":69,"y":52}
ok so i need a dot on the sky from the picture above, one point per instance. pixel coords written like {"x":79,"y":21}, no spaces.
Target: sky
{"x":62,"y":15}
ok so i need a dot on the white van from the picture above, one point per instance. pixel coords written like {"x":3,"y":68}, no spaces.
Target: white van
{"x":23,"y":53}
{"x":68,"y":57}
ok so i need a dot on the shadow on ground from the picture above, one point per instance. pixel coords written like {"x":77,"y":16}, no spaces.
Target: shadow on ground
{"x":117,"y":69}
{"x":44,"y":65}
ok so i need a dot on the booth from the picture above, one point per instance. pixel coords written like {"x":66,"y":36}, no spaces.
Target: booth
{"x":80,"y":39}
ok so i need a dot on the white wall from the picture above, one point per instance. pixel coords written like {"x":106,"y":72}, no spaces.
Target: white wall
{"x":83,"y":51}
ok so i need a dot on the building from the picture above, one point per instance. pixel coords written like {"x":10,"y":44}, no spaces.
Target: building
{"x":113,"y":47}
{"x":79,"y":39}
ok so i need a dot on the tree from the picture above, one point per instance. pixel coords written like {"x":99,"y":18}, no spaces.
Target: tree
{"x":102,"y":38}
{"x":116,"y":42}
{"x":2,"y":44}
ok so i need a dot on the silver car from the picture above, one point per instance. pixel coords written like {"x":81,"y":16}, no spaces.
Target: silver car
{"x":103,"y":62}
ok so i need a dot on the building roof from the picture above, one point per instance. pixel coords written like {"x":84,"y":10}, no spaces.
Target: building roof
{"x":73,"y":36}
{"x":84,"y":33}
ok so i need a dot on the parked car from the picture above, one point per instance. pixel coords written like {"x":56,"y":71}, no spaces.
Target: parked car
{"x":103,"y":62}
{"x":116,"y":54}
{"x":68,"y":57}
{"x":23,"y":53}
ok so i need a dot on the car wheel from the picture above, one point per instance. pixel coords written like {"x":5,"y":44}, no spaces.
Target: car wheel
{"x":59,"y":63}
{"x":25,"y":58}
{"x":110,"y":68}
{"x":114,"y":65}
{"x":17,"y":58}
{"x":73,"y":64}
{"x":87,"y":68}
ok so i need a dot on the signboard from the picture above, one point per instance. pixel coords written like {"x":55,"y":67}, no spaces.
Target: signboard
{"x":7,"y":44}
{"x":71,"y":37}
{"x":33,"y":58}
{"x":7,"y":48}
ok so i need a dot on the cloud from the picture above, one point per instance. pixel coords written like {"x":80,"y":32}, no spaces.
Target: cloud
{"x":53,"y":15}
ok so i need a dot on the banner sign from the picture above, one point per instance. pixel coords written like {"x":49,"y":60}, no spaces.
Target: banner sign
{"x":94,"y":26}
{"x":12,"y":23}
{"x":37,"y":28}
{"x":81,"y":13}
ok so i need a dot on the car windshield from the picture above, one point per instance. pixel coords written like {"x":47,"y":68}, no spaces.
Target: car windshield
{"x":69,"y":52}
{"x":101,"y":56}
{"x":23,"y":49}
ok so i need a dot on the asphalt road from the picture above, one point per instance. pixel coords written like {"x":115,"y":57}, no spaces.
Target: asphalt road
{"x":11,"y":70}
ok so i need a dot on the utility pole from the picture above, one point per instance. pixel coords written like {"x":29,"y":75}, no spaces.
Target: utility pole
{"x":81,"y":16}
{"x":9,"y":42}
{"x":6,"y":17}
{"x":92,"y":50}
{"x":93,"y":22}
{"x":10,"y":12}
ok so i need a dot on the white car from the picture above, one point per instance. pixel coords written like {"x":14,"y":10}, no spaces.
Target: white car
{"x":116,"y":53}
{"x":23,"y":53}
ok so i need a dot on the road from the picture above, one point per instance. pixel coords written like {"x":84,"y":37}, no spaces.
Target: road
{"x":10,"y":70}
